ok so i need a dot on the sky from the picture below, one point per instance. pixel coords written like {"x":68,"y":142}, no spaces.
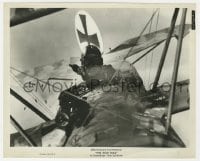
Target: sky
{"x":52,"y":38}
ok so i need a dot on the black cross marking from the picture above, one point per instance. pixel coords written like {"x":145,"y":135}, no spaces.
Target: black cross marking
{"x":84,"y":37}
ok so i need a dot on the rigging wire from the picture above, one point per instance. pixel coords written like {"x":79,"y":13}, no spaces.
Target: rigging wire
{"x":141,"y":33}
{"x":157,"y":20}
{"x":40,"y":80}
{"x":131,"y":49}
{"x":145,"y":68}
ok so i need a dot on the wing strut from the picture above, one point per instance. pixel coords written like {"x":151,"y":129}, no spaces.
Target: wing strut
{"x":162,"y":60}
{"x":175,"y":70}
{"x":22,"y":131}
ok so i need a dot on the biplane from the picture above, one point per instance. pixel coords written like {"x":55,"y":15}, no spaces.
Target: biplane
{"x":89,"y":116}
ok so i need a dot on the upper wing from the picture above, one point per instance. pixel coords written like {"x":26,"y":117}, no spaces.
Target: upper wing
{"x":21,"y":15}
{"x":148,"y":40}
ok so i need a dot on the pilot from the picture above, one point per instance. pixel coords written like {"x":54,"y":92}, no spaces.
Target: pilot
{"x":95,"y":73}
{"x":92,"y":57}
{"x":92,"y":68}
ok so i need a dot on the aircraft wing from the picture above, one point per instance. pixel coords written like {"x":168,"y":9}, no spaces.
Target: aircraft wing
{"x":22,"y":15}
{"x":148,"y":40}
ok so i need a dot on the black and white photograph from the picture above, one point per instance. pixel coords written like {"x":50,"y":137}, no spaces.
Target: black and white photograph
{"x":109,"y":77}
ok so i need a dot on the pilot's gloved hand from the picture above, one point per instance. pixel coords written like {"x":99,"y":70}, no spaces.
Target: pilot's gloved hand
{"x":75,"y":67}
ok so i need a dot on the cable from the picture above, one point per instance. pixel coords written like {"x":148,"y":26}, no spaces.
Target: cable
{"x":145,"y":69}
{"x":141,"y":33}
{"x":153,"y":50}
